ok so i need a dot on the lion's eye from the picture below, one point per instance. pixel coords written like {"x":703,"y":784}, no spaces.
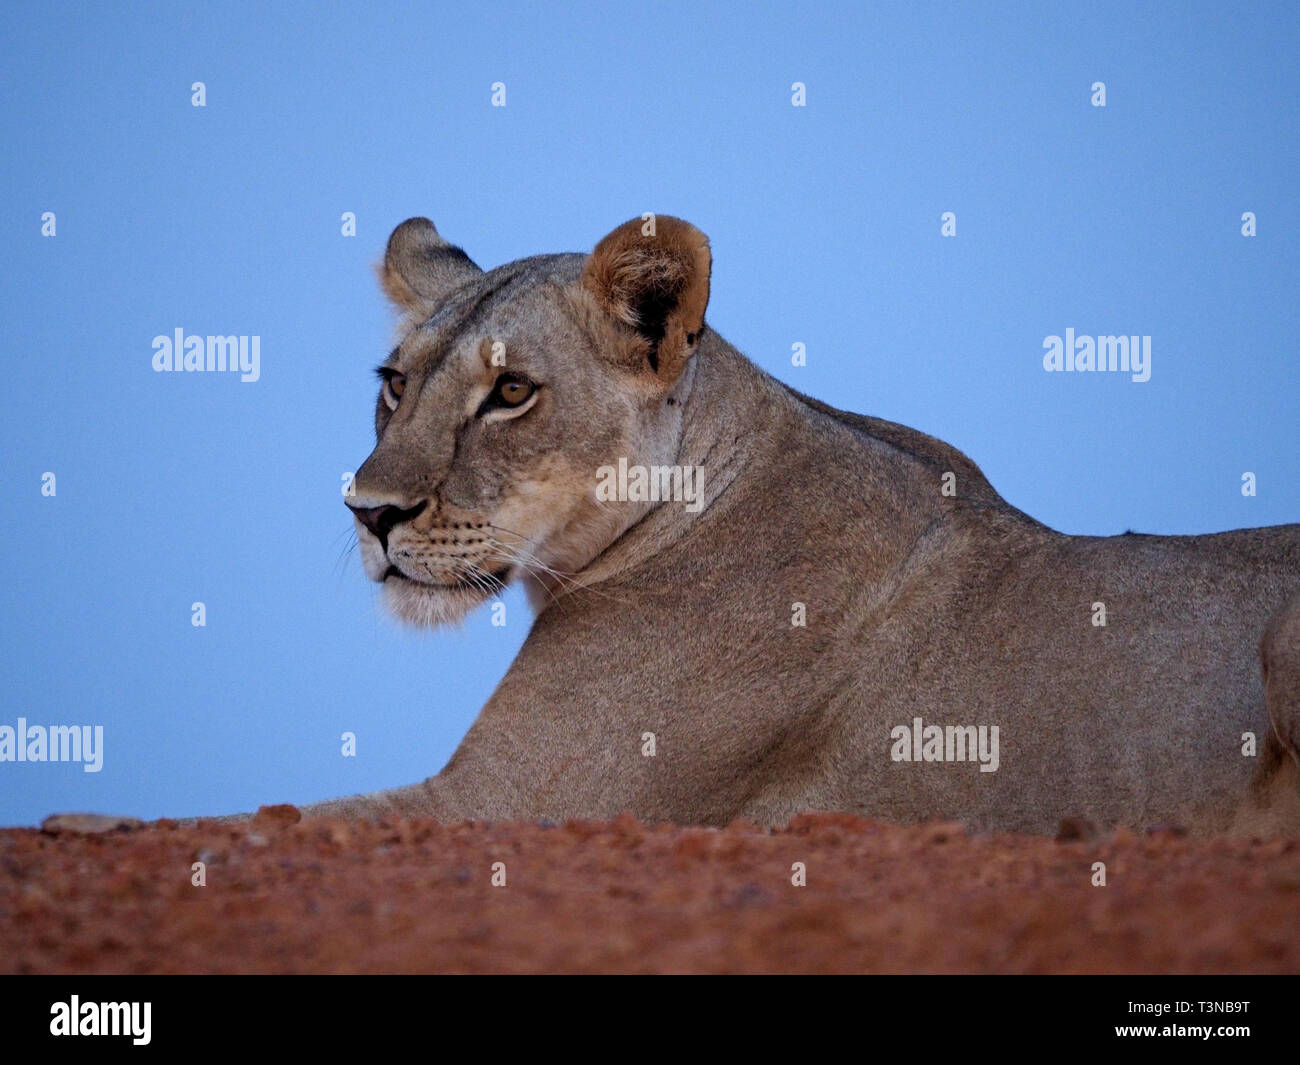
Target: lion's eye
{"x":511,"y":391}
{"x":394,"y":386}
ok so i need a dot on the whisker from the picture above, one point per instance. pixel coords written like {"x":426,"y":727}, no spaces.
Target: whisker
{"x":529,"y":561}
{"x":345,"y":555}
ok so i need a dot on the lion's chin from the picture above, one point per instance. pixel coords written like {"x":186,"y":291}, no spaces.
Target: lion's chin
{"x":428,"y":608}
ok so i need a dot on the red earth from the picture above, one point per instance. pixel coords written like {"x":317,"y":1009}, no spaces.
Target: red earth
{"x":288,"y":895}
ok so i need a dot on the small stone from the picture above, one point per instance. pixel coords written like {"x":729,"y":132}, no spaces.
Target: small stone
{"x":1077,"y":829}
{"x":88,"y":824}
{"x":280,"y":816}
{"x":942,"y":831}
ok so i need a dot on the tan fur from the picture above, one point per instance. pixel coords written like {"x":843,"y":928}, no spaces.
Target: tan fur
{"x":959,"y":610}
{"x":419,"y":265}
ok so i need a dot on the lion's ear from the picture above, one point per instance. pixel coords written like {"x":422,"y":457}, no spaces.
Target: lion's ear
{"x":420,"y":268}
{"x":652,"y":274}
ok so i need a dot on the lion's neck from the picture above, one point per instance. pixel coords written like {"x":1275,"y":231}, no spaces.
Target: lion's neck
{"x":766,"y":460}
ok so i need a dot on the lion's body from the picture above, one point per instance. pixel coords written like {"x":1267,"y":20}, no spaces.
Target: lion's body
{"x":954,"y":609}
{"x":843,"y":585}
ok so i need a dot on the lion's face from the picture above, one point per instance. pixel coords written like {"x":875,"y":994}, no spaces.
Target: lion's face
{"x":508,"y":391}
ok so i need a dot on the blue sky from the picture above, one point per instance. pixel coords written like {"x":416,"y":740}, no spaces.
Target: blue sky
{"x":825,"y":226}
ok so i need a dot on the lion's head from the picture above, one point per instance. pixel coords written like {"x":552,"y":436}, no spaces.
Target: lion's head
{"x":508,"y":390}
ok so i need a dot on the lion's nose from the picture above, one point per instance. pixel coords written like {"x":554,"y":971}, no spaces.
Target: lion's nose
{"x":382,"y":520}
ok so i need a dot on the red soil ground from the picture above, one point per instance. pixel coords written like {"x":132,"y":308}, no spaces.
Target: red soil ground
{"x":404,"y":896}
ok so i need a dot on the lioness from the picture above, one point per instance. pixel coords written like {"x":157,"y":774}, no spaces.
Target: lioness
{"x":839,"y":619}
{"x":836,"y":578}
